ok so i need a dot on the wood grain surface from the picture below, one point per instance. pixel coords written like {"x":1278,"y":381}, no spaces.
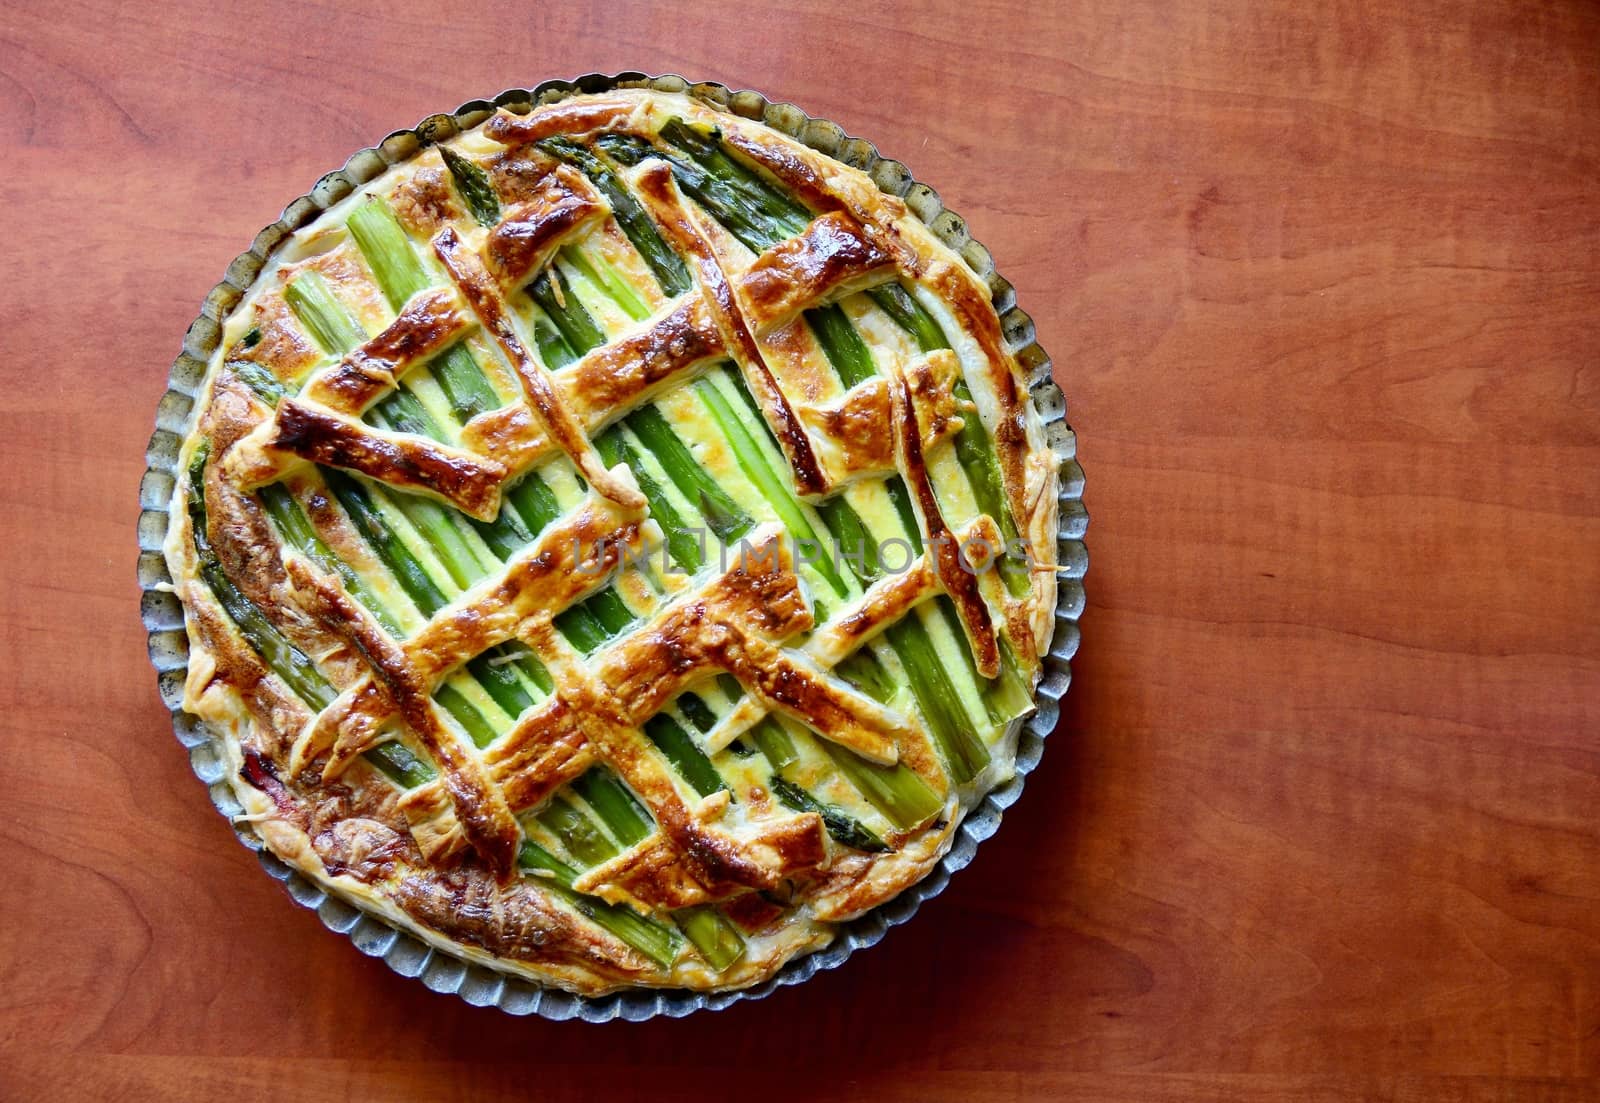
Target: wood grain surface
{"x":1322,"y":819}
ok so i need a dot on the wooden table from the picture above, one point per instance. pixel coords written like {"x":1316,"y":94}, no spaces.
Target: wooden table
{"x":1322,"y":283}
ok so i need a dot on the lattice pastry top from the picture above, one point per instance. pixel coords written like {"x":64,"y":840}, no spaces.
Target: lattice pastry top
{"x":616,"y":545}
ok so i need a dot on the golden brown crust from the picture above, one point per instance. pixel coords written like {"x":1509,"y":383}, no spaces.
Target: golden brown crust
{"x":441,"y":857}
{"x":832,"y":257}
{"x":884,"y":218}
{"x":557,"y":206}
{"x":481,"y":806}
{"x":852,"y":429}
{"x":955,"y":574}
{"x":278,"y":344}
{"x":428,"y":323}
{"x":574,"y":557}
{"x":718,"y":627}
{"x":576,"y":116}
{"x":470,"y":483}
{"x":425,"y":203}
{"x":664,"y":201}
{"x":538,"y":392}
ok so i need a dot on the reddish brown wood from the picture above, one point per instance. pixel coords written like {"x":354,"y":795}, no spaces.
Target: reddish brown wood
{"x":1323,"y":286}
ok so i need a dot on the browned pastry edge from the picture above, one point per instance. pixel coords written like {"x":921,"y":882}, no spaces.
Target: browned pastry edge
{"x":468,"y":482}
{"x":832,"y":253}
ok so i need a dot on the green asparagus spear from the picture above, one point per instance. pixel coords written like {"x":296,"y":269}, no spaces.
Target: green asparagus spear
{"x":936,"y":695}
{"x":603,"y":276}
{"x":895,"y":301}
{"x":577,"y":832}
{"x":553,"y":348}
{"x":400,"y":275}
{"x":534,"y":502}
{"x":862,"y":669}
{"x":575,"y":324}
{"x":590,"y":624}
{"x":755,"y":228}
{"x":616,"y":806}
{"x":466,"y":714}
{"x":1004,"y":697}
{"x":840,"y":825}
{"x":651,"y":938}
{"x":336,"y":330}
{"x":635,"y":223}
{"x":718,"y":940}
{"x":901,"y":498}
{"x":292,"y":665}
{"x":506,"y":535}
{"x":704,"y":144}
{"x":399,"y":765}
{"x":761,"y":469}
{"x":403,"y":412}
{"x":313,"y":304}
{"x":268,"y":387}
{"x":296,"y":528}
{"x":696,"y":712}
{"x":355,"y":498}
{"x":948,"y":719}
{"x":497,"y":671}
{"x":473,"y":184}
{"x":445,"y":531}
{"x":904,"y":798}
{"x":680,"y":749}
{"x":841,"y":344}
{"x":1011,"y":695}
{"x":710,"y":933}
{"x":683,"y":544}
{"x":612,"y":614}
{"x":656,"y":941}
{"x":414,"y":579}
{"x":722,"y":514}
{"x":774,"y":743}
{"x":974,"y":449}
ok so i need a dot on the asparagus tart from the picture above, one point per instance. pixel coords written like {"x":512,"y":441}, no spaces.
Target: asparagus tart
{"x":616,"y":546}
